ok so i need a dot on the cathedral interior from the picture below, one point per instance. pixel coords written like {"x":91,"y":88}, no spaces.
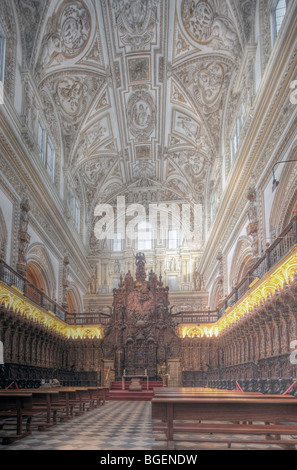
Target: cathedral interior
{"x":148,"y":192}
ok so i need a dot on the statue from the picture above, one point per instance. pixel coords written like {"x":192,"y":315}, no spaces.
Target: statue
{"x":140,"y":260}
{"x":140,"y":263}
{"x":163,"y":373}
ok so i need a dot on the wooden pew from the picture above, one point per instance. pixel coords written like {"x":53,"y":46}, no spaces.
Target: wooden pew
{"x":15,"y":406}
{"x":211,"y":392}
{"x":224,"y":415}
{"x":46,"y":400}
{"x":79,"y":399}
{"x":100,"y":395}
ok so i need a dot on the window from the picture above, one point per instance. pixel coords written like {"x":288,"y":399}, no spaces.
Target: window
{"x":235,"y":136}
{"x":213,"y":205}
{"x":75,"y":211}
{"x":144,"y":236}
{"x":279,"y":14}
{"x":77,"y":215}
{"x":239,"y":121}
{"x":233,"y":144}
{"x":41,"y":139}
{"x":47,"y":152}
{"x":172,"y":239}
{"x":50,"y":159}
{"x":117,"y":242}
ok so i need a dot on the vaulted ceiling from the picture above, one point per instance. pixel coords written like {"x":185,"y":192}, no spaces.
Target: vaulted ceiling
{"x":135,"y":92}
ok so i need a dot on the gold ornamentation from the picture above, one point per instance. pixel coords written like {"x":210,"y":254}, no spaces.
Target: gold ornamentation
{"x":19,"y":304}
{"x":260,"y":291}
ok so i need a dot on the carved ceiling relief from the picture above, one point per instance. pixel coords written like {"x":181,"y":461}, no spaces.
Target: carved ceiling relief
{"x":135,"y":22}
{"x":31,"y":13}
{"x":141,"y":114}
{"x":102,"y":69}
{"x":206,"y":82}
{"x":67,"y":33}
{"x":208,"y":23}
{"x":195,"y":167}
{"x":72,"y":95}
{"x":92,"y":174}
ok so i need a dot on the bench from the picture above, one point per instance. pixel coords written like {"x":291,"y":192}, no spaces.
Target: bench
{"x":271,"y":418}
{"x":46,"y":400}
{"x":211,"y":392}
{"x":15,"y":407}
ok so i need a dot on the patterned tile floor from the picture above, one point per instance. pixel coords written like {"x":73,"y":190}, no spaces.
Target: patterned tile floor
{"x":119,"y":425}
{"x":114,"y":426}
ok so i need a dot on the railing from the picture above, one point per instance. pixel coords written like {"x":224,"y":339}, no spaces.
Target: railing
{"x":202,"y":316}
{"x":274,"y":253}
{"x":87,"y":318}
{"x":14,"y":279}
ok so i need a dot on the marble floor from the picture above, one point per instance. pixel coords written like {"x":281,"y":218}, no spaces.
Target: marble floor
{"x":118,"y":425}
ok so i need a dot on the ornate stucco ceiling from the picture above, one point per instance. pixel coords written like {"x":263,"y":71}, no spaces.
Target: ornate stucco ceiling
{"x":135,"y":92}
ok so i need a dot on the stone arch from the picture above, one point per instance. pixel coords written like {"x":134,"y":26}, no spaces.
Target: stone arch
{"x":74,"y":300}
{"x":40,"y":270}
{"x":215,"y":295}
{"x":240,"y":261}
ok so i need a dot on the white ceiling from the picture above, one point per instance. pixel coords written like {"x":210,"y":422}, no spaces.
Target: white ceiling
{"x":136,"y":92}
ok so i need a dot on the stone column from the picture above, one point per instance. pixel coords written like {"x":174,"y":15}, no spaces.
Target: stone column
{"x":252,"y":228}
{"x":65,"y":282}
{"x":24,"y":238}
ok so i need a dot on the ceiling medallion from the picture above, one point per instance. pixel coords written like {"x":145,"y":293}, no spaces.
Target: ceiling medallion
{"x":209,"y":27}
{"x":197,"y":19}
{"x":136,"y":21}
{"x":73,"y":27}
{"x":141,"y":114}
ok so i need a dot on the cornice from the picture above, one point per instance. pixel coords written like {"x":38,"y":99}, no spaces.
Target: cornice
{"x":47,"y":206}
{"x":267,"y":111}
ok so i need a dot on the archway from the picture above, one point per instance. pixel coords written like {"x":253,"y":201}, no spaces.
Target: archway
{"x":71,"y":302}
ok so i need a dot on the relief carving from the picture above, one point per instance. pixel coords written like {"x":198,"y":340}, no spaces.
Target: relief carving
{"x":136,"y":21}
{"x":141,"y":114}
{"x":207,"y":27}
{"x":68,"y":34}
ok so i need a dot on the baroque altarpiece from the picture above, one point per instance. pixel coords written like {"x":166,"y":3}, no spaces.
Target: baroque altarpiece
{"x":141,"y":335}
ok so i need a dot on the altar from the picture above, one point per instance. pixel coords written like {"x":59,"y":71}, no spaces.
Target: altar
{"x":135,"y":382}
{"x":141,"y":334}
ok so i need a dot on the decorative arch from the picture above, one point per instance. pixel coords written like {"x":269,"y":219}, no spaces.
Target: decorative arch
{"x":215,"y":295}
{"x":40,"y":270}
{"x":240,"y":262}
{"x":74,"y":299}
